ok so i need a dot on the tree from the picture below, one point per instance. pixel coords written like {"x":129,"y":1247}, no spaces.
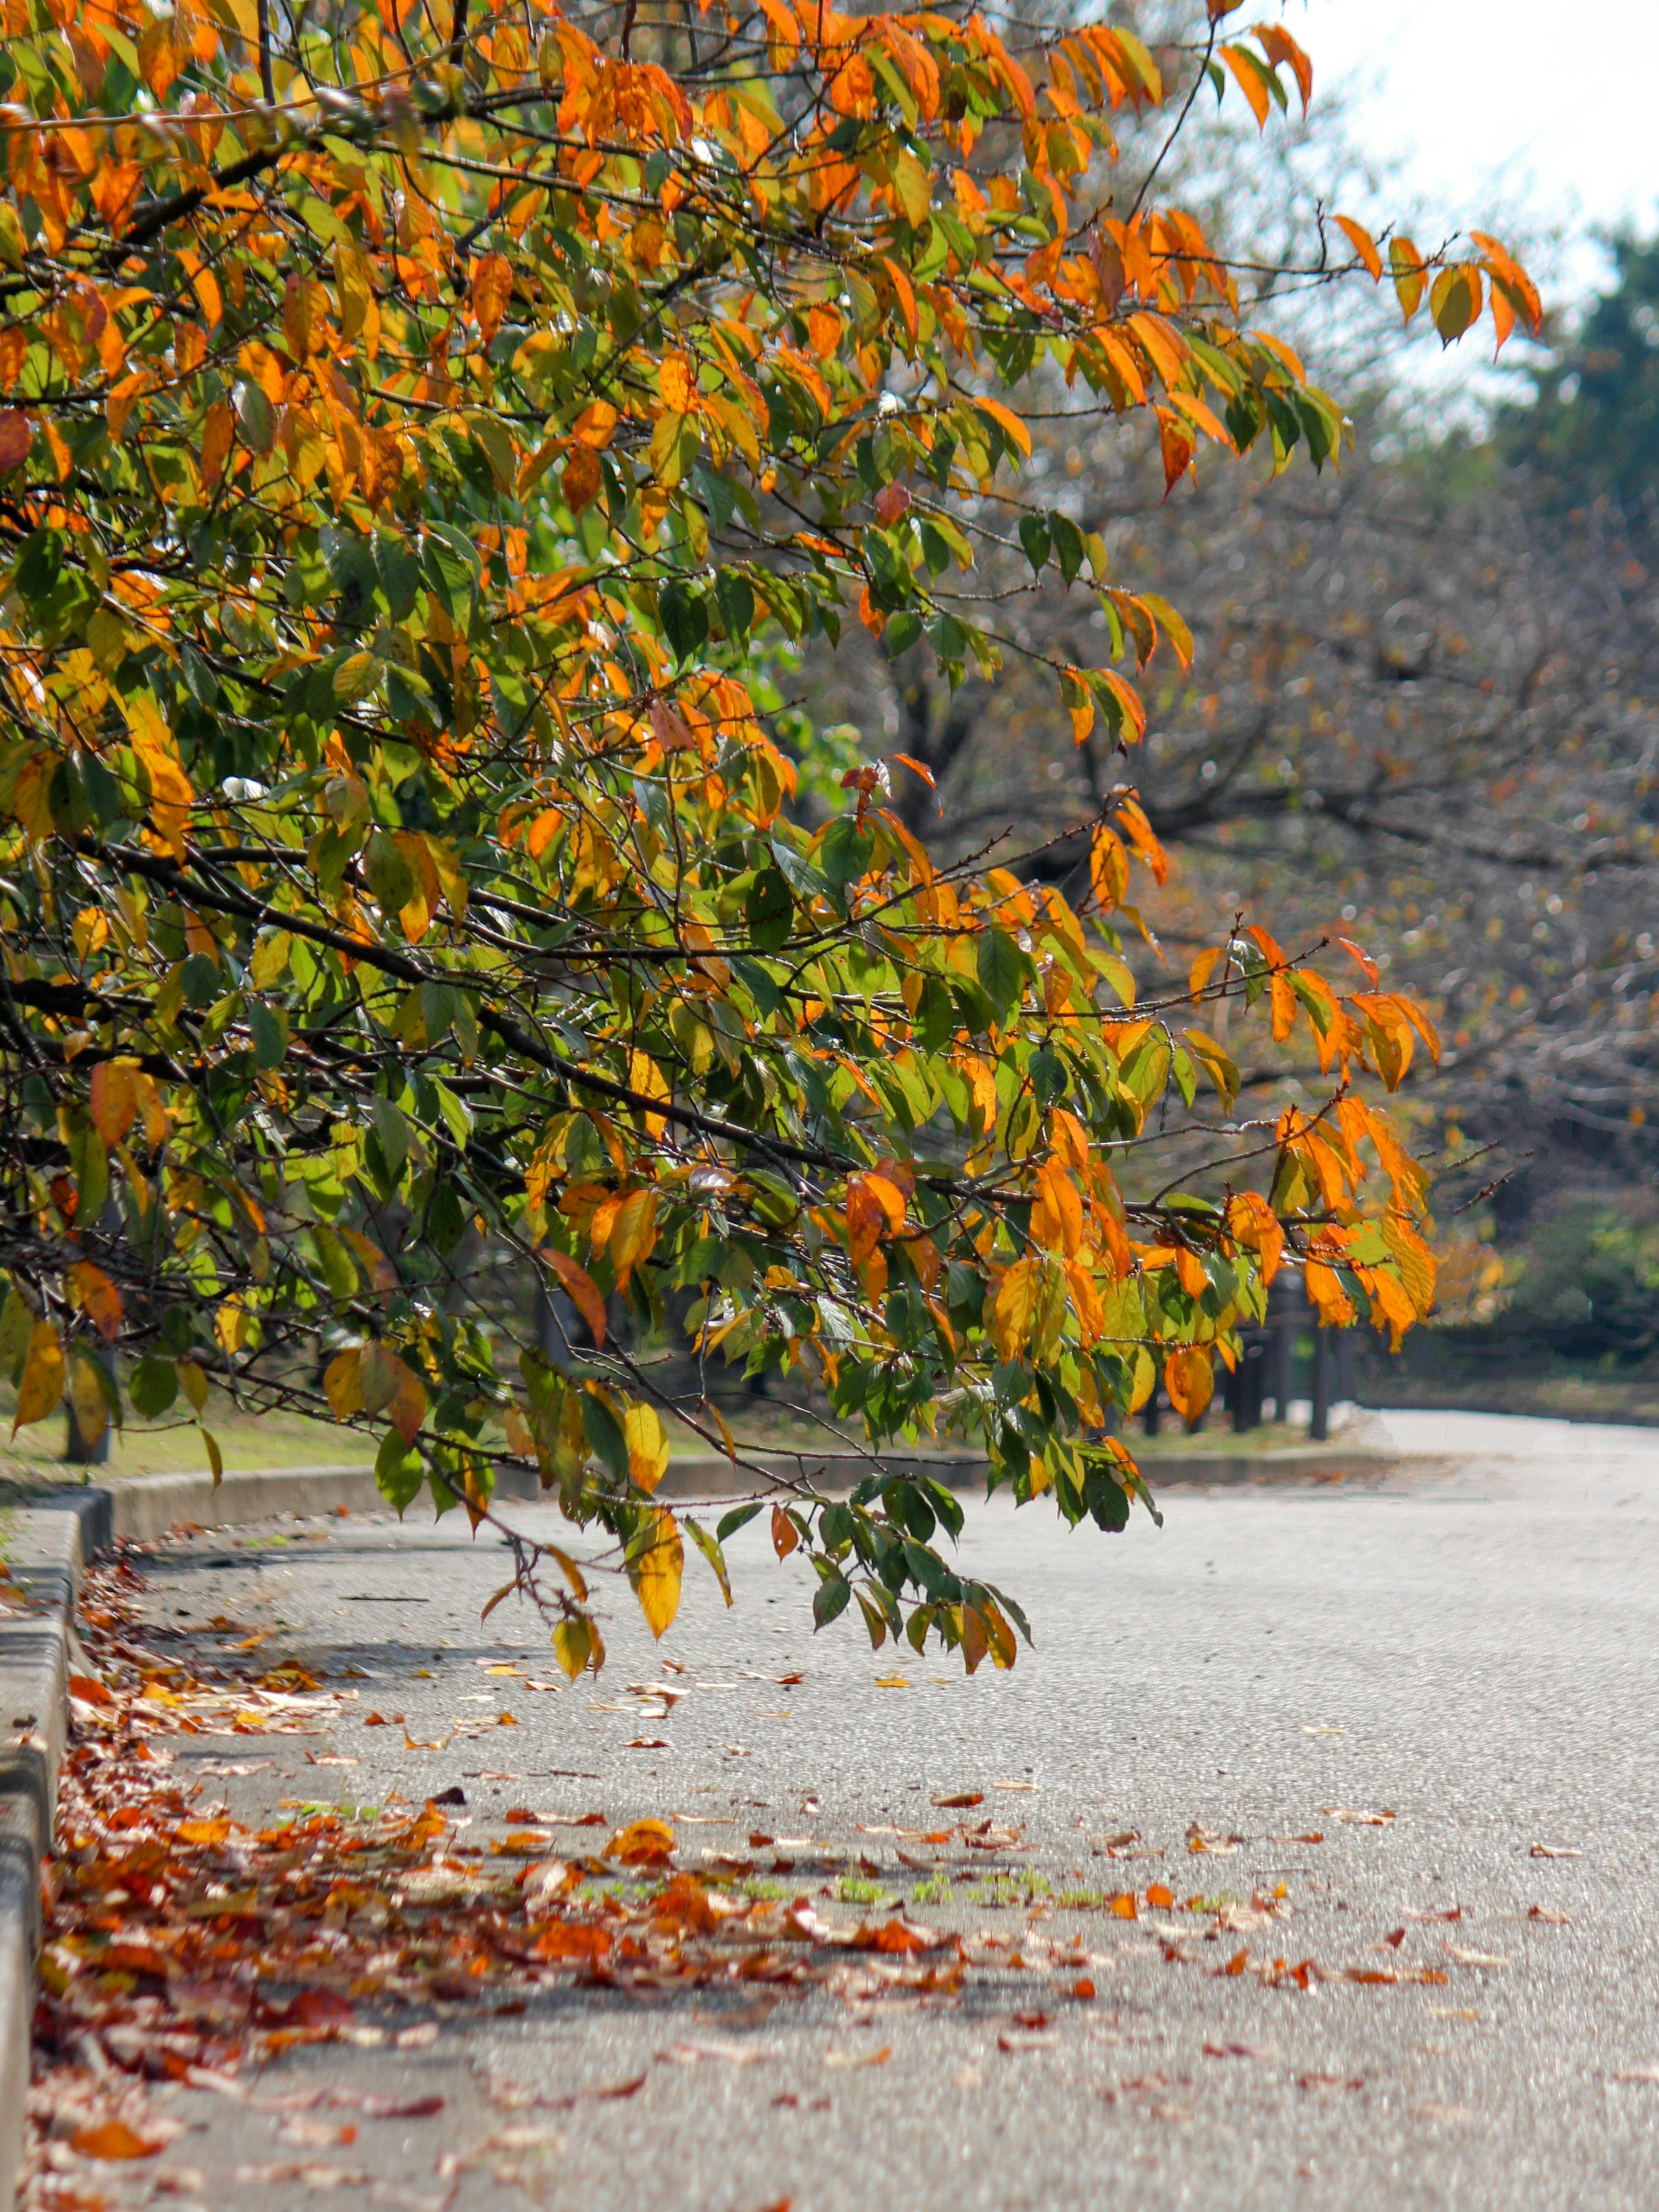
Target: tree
{"x":1589,"y":428}
{"x":419,"y":437}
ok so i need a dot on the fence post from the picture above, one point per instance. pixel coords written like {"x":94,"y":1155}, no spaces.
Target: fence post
{"x":1319,"y":1427}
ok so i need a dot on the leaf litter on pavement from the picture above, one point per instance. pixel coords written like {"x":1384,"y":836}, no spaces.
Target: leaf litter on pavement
{"x":184,"y":1947}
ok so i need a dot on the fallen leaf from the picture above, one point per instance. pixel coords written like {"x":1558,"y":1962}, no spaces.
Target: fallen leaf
{"x":643,"y":1843}
{"x":1637,"y":2074}
{"x":893,"y":1682}
{"x":316,"y":2135}
{"x":1545,"y":1913}
{"x":1473,"y":1957}
{"x":1555,"y":1852}
{"x":1240,"y":2051}
{"x":1204,"y":1840}
{"x":647,"y":1743}
{"x":1023,"y":2039}
{"x":114,"y":2139}
{"x":960,"y":1800}
{"x":859,"y":2058}
{"x":1355,"y":1817}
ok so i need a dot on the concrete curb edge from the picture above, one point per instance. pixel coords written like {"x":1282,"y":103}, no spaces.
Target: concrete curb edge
{"x":46,"y":1546}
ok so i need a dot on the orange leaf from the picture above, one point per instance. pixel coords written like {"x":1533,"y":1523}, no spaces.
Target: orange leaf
{"x":114,"y":1099}
{"x":1005,"y":418}
{"x":492,"y":288}
{"x":1363,"y":244}
{"x":1109,"y":868}
{"x":1139,"y":832}
{"x":583,"y":479}
{"x":1178,"y":445}
{"x":1362,"y":959}
{"x":583,"y":1290}
{"x":1276,"y":42}
{"x":114,"y":2139}
{"x":97,"y":1297}
{"x":1189,"y":1380}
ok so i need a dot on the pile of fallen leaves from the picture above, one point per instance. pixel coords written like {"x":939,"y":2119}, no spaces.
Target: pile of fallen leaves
{"x":181,"y":1946}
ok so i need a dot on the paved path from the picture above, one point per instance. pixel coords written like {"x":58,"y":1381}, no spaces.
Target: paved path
{"x":1475,"y":1653}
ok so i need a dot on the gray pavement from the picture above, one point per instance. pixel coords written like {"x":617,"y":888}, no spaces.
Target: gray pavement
{"x":1472,"y":1652}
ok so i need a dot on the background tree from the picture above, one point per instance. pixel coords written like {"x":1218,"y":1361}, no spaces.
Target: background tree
{"x":417,"y":433}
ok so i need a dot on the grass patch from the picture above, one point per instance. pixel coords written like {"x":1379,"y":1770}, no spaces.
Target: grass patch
{"x":936,"y":1890}
{"x":859,"y":1889}
{"x":1001,"y":1892}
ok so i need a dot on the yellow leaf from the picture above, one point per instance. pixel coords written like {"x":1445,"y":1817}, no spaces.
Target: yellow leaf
{"x":572,"y":1644}
{"x":1406,"y":263}
{"x":85,"y":1396}
{"x":1015,"y":1303}
{"x":343,"y":1382}
{"x":572,"y":1573}
{"x":42,"y":1386}
{"x":657,"y":1572}
{"x":645,"y":1076}
{"x":632,"y":1232}
{"x":647,"y":1445}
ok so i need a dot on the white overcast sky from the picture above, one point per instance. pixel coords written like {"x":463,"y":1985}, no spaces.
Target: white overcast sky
{"x":1496,"y":104}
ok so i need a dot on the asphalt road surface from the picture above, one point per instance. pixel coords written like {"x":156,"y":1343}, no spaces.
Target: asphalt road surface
{"x":1472,"y":1651}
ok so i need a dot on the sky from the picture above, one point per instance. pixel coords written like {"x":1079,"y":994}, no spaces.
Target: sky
{"x":1496,"y":106}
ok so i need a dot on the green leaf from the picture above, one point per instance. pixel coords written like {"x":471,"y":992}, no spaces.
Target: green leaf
{"x":739,"y":1517}
{"x":710,"y":1548}
{"x":398,"y":1473}
{"x":831,"y":1598}
{"x":1001,"y":968}
{"x":1033,"y":536}
{"x":604,"y":1435}
{"x":153,"y":1385}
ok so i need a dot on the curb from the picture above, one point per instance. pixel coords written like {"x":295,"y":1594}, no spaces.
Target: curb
{"x":46,"y":1546}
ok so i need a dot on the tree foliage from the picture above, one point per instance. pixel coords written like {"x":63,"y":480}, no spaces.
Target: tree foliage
{"x":422,"y":439}
{"x":1590,"y":428}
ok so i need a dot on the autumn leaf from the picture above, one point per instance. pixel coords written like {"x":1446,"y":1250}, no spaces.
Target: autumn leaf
{"x":1189,"y":1379}
{"x":656,"y":1572}
{"x":647,"y":1445}
{"x":583,"y":1291}
{"x":41,"y":1389}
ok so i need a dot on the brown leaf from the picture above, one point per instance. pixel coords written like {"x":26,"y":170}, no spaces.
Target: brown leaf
{"x":962,"y":1799}
{"x":1554,"y":1852}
